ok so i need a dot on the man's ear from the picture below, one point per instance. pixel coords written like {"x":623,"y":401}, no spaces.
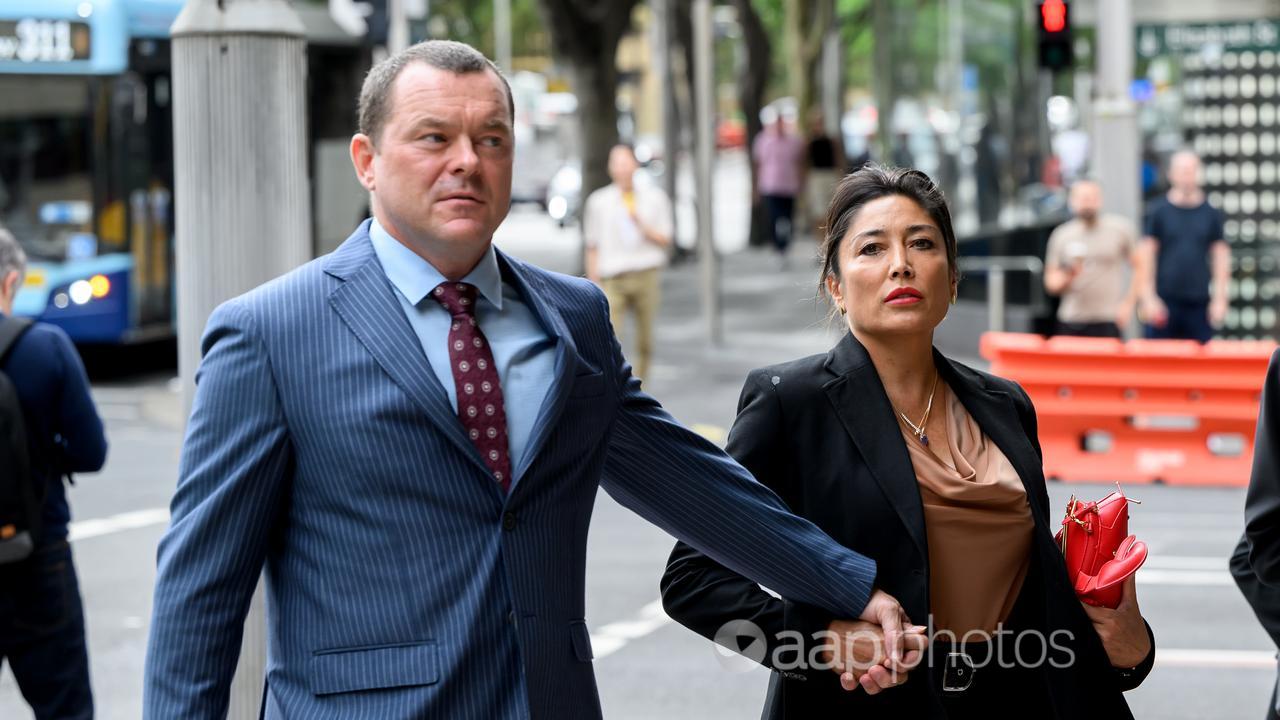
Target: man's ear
{"x":9,"y":286}
{"x":362,"y":152}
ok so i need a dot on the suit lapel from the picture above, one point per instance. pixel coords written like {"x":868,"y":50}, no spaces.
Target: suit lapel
{"x":366,"y":302}
{"x":996,"y":414}
{"x":860,"y":402}
{"x":566,"y":364}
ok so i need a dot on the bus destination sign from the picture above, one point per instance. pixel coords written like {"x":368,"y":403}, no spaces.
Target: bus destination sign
{"x":43,"y":41}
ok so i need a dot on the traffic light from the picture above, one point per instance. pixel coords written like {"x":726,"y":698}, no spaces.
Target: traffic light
{"x":1054,"y":32}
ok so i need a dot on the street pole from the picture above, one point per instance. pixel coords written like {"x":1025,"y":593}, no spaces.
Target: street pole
{"x":670,"y":124}
{"x":239,"y":82}
{"x":884,"y":83}
{"x":1116,"y":140}
{"x":705,"y":102}
{"x":502,"y":34}
{"x":832,"y":87}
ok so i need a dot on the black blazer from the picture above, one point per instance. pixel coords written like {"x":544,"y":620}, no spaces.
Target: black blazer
{"x":821,"y":433}
{"x":1262,"y":505}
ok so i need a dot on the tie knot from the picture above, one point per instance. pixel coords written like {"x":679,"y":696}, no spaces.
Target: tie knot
{"x":459,"y":299}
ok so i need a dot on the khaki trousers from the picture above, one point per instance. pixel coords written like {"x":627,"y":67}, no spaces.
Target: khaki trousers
{"x":639,"y":293}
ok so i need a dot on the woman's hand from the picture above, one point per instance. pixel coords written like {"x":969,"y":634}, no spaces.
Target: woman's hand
{"x":857,"y":652}
{"x":1123,"y":632}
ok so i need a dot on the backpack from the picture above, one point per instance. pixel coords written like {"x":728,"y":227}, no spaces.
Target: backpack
{"x":21,"y":496}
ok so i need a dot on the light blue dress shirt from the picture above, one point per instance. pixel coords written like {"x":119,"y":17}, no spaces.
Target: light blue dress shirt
{"x":522,"y":349}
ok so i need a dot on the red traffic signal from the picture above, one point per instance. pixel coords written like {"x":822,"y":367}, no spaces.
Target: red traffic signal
{"x":1053,"y":16}
{"x":1054,"y":34}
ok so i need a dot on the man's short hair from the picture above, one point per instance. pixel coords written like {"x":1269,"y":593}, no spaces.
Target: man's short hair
{"x":12,"y":258}
{"x":451,"y":56}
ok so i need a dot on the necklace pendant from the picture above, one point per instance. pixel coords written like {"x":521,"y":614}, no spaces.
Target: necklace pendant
{"x":924,"y":439}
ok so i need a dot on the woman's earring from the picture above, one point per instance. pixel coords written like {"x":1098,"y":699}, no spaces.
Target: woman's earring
{"x":955,"y":294}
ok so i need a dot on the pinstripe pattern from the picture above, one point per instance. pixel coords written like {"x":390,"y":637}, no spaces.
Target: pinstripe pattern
{"x":321,"y":446}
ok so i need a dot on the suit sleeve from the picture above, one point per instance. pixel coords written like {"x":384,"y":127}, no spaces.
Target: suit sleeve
{"x":682,"y":483}
{"x":232,"y":477}
{"x":1262,"y":502}
{"x":704,"y":595}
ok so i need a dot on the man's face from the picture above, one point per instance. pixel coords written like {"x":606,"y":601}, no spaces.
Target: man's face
{"x":1086,"y":200}
{"x":622,"y":166}
{"x":1184,"y":172}
{"x":441,"y":170}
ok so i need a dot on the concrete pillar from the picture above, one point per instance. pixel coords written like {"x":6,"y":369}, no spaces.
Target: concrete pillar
{"x":242,"y":193}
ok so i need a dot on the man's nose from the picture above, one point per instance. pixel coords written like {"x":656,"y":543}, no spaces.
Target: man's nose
{"x":463,"y":160}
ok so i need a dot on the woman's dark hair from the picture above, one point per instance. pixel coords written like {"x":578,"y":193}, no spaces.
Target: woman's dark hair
{"x":873,"y":182}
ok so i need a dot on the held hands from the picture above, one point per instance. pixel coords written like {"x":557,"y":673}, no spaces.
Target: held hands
{"x":861,"y":658}
{"x":1122,"y":631}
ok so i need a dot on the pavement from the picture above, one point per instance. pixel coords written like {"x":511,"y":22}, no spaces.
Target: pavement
{"x":1214,"y":660}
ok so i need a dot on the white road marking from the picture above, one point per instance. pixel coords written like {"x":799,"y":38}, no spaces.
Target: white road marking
{"x":98,"y":527}
{"x":608,"y":639}
{"x":1201,"y":658}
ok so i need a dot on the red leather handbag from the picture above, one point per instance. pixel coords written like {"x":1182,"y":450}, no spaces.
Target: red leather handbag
{"x":1099,"y":551}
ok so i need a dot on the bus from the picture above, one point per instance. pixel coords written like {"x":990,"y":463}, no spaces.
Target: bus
{"x":86,"y":156}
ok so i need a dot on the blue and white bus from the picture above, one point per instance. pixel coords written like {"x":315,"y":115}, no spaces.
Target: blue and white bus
{"x":86,"y":155}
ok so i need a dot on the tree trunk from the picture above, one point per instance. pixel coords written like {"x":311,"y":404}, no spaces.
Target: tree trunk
{"x":753,"y":77}
{"x":585,"y":37}
{"x":596,"y":85}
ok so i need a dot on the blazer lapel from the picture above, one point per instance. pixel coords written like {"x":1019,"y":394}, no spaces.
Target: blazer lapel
{"x":366,"y":302}
{"x":860,"y":402}
{"x":996,"y":414}
{"x":566,"y":365}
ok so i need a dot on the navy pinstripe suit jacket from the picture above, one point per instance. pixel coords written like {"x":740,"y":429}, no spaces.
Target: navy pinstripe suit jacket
{"x":400,"y":582}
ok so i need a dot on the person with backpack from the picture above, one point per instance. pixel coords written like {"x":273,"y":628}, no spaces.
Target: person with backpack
{"x":49,"y":428}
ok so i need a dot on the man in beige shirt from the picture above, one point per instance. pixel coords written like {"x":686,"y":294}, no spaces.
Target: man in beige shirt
{"x":1089,"y":263}
{"x":627,"y":232}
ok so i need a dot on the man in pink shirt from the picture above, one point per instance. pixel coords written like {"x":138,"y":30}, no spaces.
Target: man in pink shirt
{"x":778,"y":157}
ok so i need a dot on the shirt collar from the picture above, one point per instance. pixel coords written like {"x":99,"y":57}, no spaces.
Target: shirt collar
{"x":414,"y":277}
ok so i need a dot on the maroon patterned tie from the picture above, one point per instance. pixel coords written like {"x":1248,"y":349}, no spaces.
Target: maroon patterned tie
{"x":475,"y":377}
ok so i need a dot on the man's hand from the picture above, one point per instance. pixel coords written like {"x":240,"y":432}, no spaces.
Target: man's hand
{"x":1217,"y":312}
{"x":1122,"y":631}
{"x":858,"y":654}
{"x":1154,"y":312}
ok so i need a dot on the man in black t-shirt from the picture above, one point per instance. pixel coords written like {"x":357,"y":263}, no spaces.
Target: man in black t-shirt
{"x":1183,"y":254}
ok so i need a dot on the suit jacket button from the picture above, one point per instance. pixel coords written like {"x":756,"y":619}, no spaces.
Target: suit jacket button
{"x":508,"y":521}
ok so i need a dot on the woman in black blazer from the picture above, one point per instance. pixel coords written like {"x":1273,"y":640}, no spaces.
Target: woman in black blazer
{"x":934,"y":471}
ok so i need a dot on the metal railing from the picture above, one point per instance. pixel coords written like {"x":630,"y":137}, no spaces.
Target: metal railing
{"x":995,"y":267}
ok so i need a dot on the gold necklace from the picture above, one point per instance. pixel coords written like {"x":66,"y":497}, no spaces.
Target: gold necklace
{"x":919,"y":429}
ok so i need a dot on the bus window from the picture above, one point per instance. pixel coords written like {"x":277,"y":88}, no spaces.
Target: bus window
{"x":46,"y":183}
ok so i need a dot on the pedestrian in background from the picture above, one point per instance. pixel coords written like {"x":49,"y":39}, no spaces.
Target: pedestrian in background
{"x":42,"y":633}
{"x":627,"y":233}
{"x":826,"y":164}
{"x":1183,"y":253}
{"x":1088,"y":263}
{"x":779,"y":163}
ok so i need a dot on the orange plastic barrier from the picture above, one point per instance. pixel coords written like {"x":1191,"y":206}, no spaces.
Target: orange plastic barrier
{"x":1141,"y":411}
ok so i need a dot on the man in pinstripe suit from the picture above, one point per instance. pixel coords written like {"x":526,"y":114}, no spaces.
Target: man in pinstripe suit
{"x":408,"y":435}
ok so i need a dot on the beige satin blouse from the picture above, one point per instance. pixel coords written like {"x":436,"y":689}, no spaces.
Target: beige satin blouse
{"x":977,"y":522}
